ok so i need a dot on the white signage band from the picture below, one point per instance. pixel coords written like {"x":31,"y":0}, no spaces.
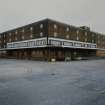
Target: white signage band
{"x":42,"y":42}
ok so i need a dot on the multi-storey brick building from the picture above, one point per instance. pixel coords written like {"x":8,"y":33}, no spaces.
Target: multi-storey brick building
{"x":49,"y":39}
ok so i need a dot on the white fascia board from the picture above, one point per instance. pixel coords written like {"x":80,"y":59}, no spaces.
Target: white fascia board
{"x":26,"y":47}
{"x":80,"y":47}
{"x":73,"y":47}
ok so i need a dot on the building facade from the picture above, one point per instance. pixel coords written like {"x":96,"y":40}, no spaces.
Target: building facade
{"x":49,"y":39}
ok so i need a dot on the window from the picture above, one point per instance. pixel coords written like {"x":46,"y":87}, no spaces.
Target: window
{"x":31,"y":36}
{"x":55,"y":26}
{"x":92,"y":41}
{"x":77,"y":38}
{"x":78,"y":44}
{"x":67,"y":43}
{"x":77,"y":32}
{"x":67,"y":36}
{"x":31,"y":28}
{"x":85,"y":39}
{"x":67,"y":29}
{"x":23,"y":30}
{"x":15,"y":38}
{"x":22,"y":37}
{"x":55,"y":43}
{"x":41,"y":34}
{"x":40,"y":53}
{"x":4,"y":46}
{"x":16,"y":32}
{"x":93,"y":46}
{"x":33,"y":53}
{"x":10,"y":40}
{"x":41,"y":26}
{"x":10,"y":34}
{"x":37,"y":52}
{"x":85,"y":33}
{"x":55,"y":34}
{"x":85,"y":45}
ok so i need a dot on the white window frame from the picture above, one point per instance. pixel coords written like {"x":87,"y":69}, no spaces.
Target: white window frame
{"x":55,"y":26}
{"x":41,"y":26}
{"x":15,"y":38}
{"x":67,"y":29}
{"x":85,"y":33}
{"x":16,"y":32}
{"x":67,"y":36}
{"x":31,"y":35}
{"x":10,"y":34}
{"x":41,"y":34}
{"x":85,"y":39}
{"x":77,"y":32}
{"x":23,"y":30}
{"x":77,"y":38}
{"x":92,"y":40}
{"x":31,"y":28}
{"x":10,"y":40}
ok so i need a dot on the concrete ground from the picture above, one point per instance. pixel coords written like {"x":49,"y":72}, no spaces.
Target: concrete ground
{"x":45,"y":83}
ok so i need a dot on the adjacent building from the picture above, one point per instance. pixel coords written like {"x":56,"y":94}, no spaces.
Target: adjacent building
{"x":49,"y":39}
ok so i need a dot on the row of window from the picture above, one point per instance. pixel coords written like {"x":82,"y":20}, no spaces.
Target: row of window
{"x":55,"y":35}
{"x":77,"y":38}
{"x":36,"y":53}
{"x":23,"y":37}
{"x":41,"y":35}
{"x":16,"y":32}
{"x":4,"y":46}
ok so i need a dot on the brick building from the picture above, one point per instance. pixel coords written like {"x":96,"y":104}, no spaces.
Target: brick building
{"x":47,"y":39}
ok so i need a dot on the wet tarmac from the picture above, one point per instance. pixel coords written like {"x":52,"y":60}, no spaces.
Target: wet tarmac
{"x":25,"y":82}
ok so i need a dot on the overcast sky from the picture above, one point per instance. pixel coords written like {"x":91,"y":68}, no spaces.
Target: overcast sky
{"x":14,"y":13}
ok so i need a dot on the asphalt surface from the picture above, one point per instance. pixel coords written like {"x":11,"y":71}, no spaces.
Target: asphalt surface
{"x":43,"y":83}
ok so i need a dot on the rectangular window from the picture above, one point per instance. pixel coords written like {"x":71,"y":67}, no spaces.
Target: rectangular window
{"x":78,"y":44}
{"x":67,"y":43}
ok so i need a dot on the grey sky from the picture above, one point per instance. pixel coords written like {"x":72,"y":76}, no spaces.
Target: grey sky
{"x":14,"y":13}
